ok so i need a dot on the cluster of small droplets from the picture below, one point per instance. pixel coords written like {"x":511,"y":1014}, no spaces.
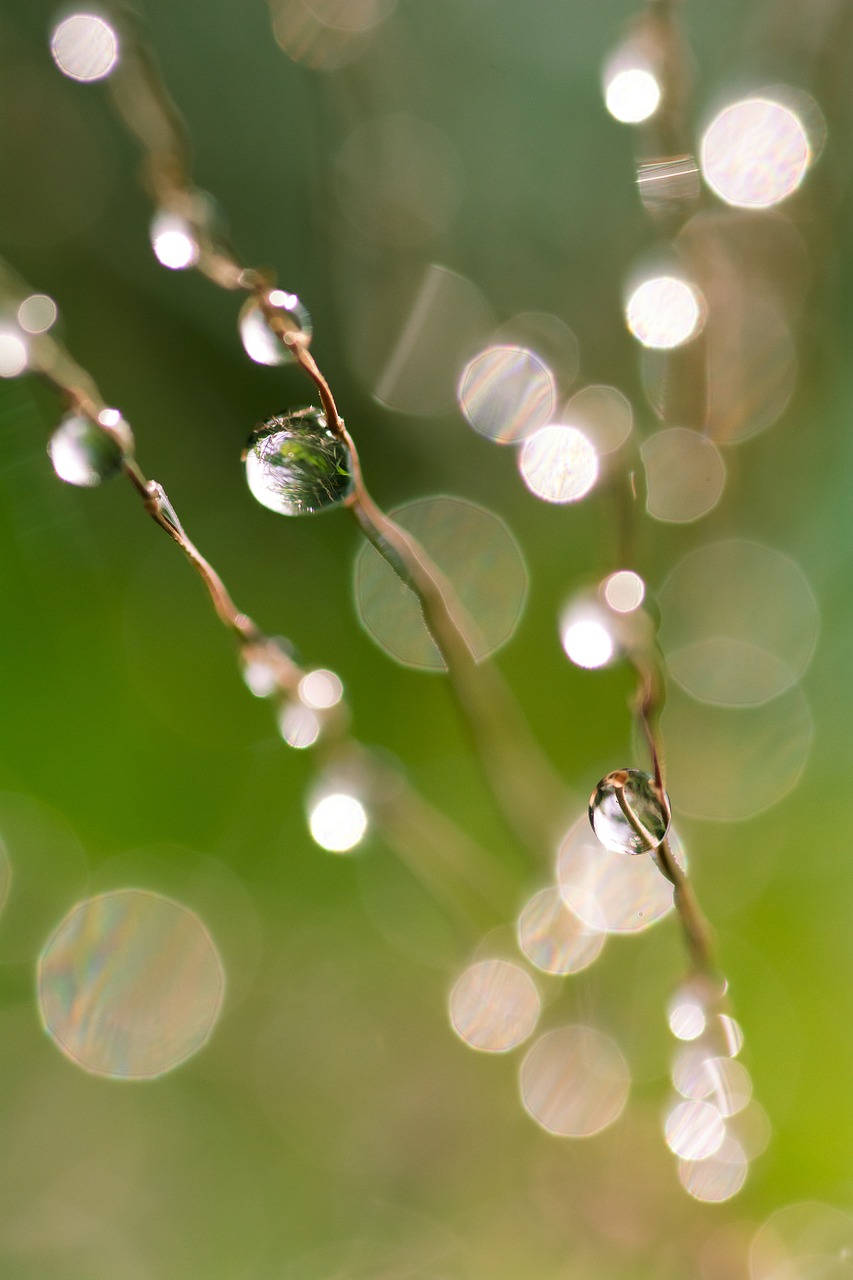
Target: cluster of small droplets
{"x":628,"y":813}
{"x":261,"y":339}
{"x":86,"y":452}
{"x":295,"y":465}
{"x":707,"y":1123}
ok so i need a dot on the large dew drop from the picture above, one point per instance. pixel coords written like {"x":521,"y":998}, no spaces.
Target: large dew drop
{"x":83,"y":453}
{"x":626,"y":812}
{"x":296,"y":466}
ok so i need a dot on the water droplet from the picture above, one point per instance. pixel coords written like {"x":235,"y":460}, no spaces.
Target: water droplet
{"x":261,"y":341}
{"x":626,"y":812}
{"x":321,"y":689}
{"x":296,"y":466}
{"x":83,"y":453}
{"x":174,"y":241}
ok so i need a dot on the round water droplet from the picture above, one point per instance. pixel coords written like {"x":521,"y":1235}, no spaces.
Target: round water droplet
{"x":626,"y":812}
{"x":83,"y":453}
{"x":261,"y":342}
{"x":296,"y":466}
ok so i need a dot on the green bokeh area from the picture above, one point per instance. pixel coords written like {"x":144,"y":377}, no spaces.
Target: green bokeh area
{"x":334,"y":1126}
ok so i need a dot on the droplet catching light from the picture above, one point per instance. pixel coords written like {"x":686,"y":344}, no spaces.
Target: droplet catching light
{"x":755,"y":153}
{"x":585,"y":636}
{"x":296,"y":466}
{"x":173,"y":240}
{"x":665,"y":312}
{"x":84,"y":47}
{"x":694,"y":1130}
{"x":260,"y":340}
{"x":627,"y":813}
{"x":83,"y":453}
{"x":338,"y":822}
{"x":558,"y":464}
{"x":631,"y":93}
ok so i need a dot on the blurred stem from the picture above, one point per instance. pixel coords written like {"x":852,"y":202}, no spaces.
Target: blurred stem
{"x":525,"y":786}
{"x":648,"y":704}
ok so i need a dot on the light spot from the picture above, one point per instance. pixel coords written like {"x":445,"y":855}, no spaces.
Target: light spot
{"x":685,"y":475}
{"x":506,"y":393}
{"x":13,"y":354}
{"x":665,"y":312}
{"x":299,"y":725}
{"x":755,"y":153}
{"x":173,"y":240}
{"x":609,"y":891}
{"x":716,"y":1178}
{"x":694,"y":1130}
{"x":494,"y":1006}
{"x":739,"y":623}
{"x":130,"y":985}
{"x":338,"y":822}
{"x":84,"y":47}
{"x":624,"y":591}
{"x":321,"y":689}
{"x":575,"y":1081}
{"x":554,"y":938}
{"x":482,"y":564}
{"x":37,"y":313}
{"x":603,"y":414}
{"x":558,"y":464}
{"x":631,"y":94}
{"x":586,"y":641}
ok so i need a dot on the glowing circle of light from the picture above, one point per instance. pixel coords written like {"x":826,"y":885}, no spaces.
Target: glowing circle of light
{"x":173,"y":242}
{"x":575,"y":1081}
{"x":587,"y":642}
{"x":665,"y":312}
{"x":694,"y":1130}
{"x":299,"y":726}
{"x":624,"y":591}
{"x":321,"y":689}
{"x":558,"y":464}
{"x":130,"y":984}
{"x":506,"y":393}
{"x":338,"y":822}
{"x":84,"y":47}
{"x":755,"y":153}
{"x":13,"y":354}
{"x":37,"y":313}
{"x":494,"y":1006}
{"x":632,"y":94}
{"x":554,"y":938}
{"x":717,"y":1178}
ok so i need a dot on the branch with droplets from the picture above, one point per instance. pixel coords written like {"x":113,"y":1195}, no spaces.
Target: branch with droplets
{"x":450,"y":865}
{"x":523,"y":782}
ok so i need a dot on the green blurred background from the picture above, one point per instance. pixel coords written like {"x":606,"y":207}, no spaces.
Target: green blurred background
{"x":335,"y":1126}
